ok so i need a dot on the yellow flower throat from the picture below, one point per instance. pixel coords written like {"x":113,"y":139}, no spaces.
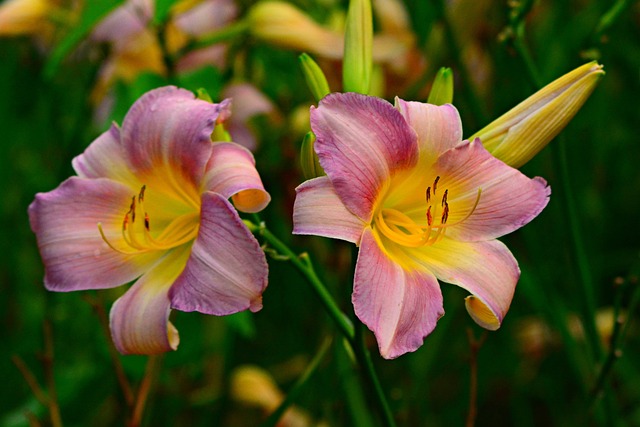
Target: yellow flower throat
{"x":137,"y":234}
{"x":401,"y":229}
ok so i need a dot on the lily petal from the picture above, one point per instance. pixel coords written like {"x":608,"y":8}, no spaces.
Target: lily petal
{"x":486,"y":269}
{"x":139,"y":319}
{"x":105,"y":158}
{"x":168,"y":127}
{"x":508,"y":199}
{"x":75,"y":256}
{"x":231,"y":172}
{"x":227,"y":271}
{"x":319,"y":211}
{"x":361,"y":142}
{"x":439,"y":128}
{"x":401,"y":307}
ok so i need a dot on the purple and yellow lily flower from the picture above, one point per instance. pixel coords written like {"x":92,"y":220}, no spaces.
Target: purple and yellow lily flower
{"x":150,"y":204}
{"x":422,"y":205}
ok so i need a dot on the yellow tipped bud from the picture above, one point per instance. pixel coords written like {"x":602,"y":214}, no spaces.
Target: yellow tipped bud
{"x":523,"y":131}
{"x":21,"y":17}
{"x":309,"y":159}
{"x":284,"y":25}
{"x":442,"y":89}
{"x":358,"y":46}
{"x":314,"y":76}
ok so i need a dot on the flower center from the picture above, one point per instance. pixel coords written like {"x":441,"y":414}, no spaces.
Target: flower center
{"x":136,"y":229}
{"x":401,"y":229}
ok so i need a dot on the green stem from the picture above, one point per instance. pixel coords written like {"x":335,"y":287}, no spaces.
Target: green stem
{"x":295,"y":391}
{"x":559,"y":150}
{"x":617,"y":336}
{"x":303,"y":263}
{"x":364,"y":359}
{"x":353,"y":335}
{"x":608,"y":19}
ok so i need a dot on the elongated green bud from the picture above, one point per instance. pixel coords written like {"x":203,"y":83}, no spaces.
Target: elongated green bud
{"x":358,"y":47}
{"x":309,"y":159}
{"x":523,"y":131}
{"x":316,"y":80}
{"x":442,"y":88}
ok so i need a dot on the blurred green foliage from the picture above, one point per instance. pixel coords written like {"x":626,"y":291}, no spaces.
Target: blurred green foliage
{"x":538,"y":369}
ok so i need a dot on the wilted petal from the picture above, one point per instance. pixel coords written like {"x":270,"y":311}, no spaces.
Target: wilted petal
{"x":319,"y":211}
{"x":400,"y":306}
{"x":361,"y":142}
{"x":486,"y":269}
{"x":169,"y":128}
{"x":438,"y":127}
{"x":508,"y":199}
{"x":75,"y":255}
{"x":231,"y":172}
{"x":139,"y":319}
{"x":227,"y":271}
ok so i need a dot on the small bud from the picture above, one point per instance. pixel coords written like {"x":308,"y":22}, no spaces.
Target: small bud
{"x":442,"y":88}
{"x":22,"y":17}
{"x":523,"y":131}
{"x":309,"y":159}
{"x":202,"y":94}
{"x":316,"y":80}
{"x":358,"y":46}
{"x":282,"y":24}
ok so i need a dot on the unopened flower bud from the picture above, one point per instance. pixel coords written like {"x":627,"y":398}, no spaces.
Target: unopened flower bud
{"x":523,"y":131}
{"x":316,"y":80}
{"x":358,"y":45}
{"x":442,"y":89}
{"x":309,"y":159}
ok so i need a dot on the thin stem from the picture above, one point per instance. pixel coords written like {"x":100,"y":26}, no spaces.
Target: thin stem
{"x":303,"y":263}
{"x":615,"y":348}
{"x":474,"y":348}
{"x":364,"y":359}
{"x":31,"y":380}
{"x":353,"y":335}
{"x":559,"y":150}
{"x":609,"y":18}
{"x":153,"y":364}
{"x":54,"y":409}
{"x":123,"y":382}
{"x":297,"y":388}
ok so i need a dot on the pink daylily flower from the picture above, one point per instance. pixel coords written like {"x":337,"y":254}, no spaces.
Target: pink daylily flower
{"x":422,"y":205}
{"x":150,"y":204}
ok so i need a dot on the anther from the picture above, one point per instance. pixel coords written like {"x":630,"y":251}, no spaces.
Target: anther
{"x":445,"y":213}
{"x":429,"y":216}
{"x":132,"y":209}
{"x":146,"y":221}
{"x":428,"y":194}
{"x":435,"y":184}
{"x":141,"y":195}
{"x":444,"y":197}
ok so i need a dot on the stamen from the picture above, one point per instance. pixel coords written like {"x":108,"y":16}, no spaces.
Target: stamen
{"x":475,"y":205}
{"x":141,"y":195}
{"x":104,"y":237}
{"x":146,"y":221}
{"x":445,"y":213}
{"x":444,"y":197}
{"x":435,"y":184}
{"x":428,"y":194}
{"x":429,"y":216}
